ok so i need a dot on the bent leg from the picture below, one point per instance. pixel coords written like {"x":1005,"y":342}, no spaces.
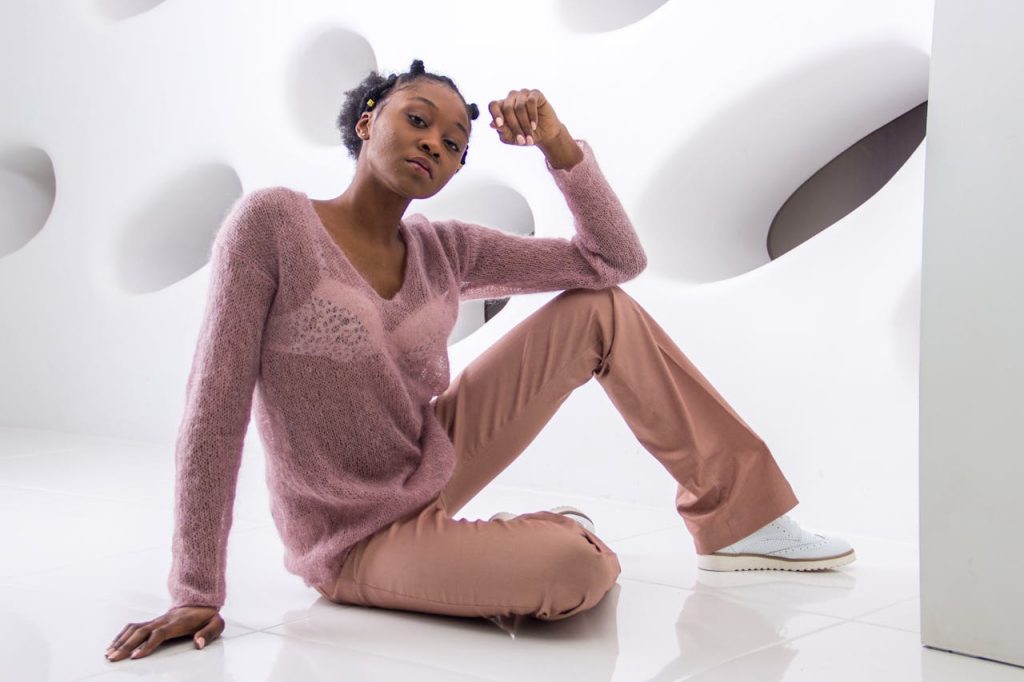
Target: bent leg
{"x":540,"y":564}
{"x":729,"y":484}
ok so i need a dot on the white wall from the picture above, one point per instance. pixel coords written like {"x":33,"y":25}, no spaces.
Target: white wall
{"x":972,"y":332}
{"x":127,"y":129}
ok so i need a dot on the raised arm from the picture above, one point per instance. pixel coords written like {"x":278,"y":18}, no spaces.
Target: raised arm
{"x":605,"y":250}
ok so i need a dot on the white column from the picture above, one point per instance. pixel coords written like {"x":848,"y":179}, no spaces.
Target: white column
{"x":972,"y":334}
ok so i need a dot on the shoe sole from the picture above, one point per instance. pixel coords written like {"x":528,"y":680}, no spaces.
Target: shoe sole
{"x":761,"y":562}
{"x":588,"y":522}
{"x":564,"y":510}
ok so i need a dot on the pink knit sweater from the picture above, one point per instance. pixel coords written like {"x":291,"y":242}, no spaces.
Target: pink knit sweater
{"x":340,"y":379}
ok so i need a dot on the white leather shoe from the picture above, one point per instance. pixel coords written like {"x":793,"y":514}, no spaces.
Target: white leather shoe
{"x":781,"y":545}
{"x":573,"y":513}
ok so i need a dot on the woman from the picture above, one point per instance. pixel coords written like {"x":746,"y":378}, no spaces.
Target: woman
{"x":334,"y":316}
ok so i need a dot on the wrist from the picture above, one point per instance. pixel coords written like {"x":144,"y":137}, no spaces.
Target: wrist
{"x":562,"y":151}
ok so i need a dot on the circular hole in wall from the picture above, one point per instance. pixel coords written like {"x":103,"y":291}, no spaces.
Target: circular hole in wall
{"x":847,"y":181}
{"x":170,"y":236}
{"x":593,"y":16}
{"x":707,"y":213}
{"x":119,"y":10}
{"x":331,"y":62}
{"x":491,"y":205}
{"x":28,"y":189}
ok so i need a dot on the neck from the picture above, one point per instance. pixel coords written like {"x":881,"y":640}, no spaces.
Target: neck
{"x":372,"y":210}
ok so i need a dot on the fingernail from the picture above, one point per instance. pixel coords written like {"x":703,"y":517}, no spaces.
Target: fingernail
{"x":201,"y":642}
{"x":533,"y":125}
{"x":520,"y":139}
{"x":499,"y":121}
{"x":529,"y":139}
{"x":136,"y":653}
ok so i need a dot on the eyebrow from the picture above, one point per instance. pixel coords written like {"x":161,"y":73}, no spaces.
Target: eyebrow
{"x":424,"y":99}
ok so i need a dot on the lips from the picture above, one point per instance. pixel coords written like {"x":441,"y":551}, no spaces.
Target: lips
{"x":422,"y":164}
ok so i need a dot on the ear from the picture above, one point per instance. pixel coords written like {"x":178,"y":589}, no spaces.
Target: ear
{"x":363,"y":125}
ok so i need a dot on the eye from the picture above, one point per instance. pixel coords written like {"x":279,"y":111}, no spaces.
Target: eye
{"x":451,"y":144}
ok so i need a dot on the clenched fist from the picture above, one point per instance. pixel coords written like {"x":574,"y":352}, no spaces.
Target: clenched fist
{"x":525,"y":117}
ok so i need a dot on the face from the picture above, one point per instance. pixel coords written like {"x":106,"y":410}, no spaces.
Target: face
{"x":424,"y":119}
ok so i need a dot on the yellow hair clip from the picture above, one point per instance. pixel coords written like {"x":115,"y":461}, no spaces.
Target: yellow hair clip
{"x":369,"y":104}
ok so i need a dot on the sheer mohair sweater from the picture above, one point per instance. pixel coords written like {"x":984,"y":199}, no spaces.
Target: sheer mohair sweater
{"x":340,"y":379}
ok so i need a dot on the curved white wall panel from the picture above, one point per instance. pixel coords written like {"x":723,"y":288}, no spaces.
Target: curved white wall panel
{"x":604,"y":15}
{"x":328,"y":63}
{"x":168,"y":236}
{"x":704,"y":117}
{"x":708,"y":211}
{"x":119,"y":10}
{"x":28,"y":189}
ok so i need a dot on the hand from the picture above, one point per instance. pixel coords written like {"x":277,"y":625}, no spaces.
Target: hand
{"x":514,"y":116}
{"x":140,"y":639}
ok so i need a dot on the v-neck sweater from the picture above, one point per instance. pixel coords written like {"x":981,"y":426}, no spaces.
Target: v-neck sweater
{"x":341,"y":380}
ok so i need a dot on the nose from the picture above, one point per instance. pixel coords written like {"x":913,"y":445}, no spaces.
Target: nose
{"x":425,"y":146}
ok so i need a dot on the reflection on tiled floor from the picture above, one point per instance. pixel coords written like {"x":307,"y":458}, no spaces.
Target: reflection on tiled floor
{"x":85,"y":543}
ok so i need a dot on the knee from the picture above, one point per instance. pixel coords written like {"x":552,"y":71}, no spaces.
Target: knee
{"x":589,"y":298}
{"x":579,"y":572}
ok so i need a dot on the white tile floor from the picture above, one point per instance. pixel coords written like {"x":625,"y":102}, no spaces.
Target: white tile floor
{"x":86,"y":532}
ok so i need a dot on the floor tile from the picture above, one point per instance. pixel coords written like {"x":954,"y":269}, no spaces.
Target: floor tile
{"x":260,"y":592}
{"x":47,"y":636}
{"x":87,"y":539}
{"x":263,"y":657}
{"x":905,"y":615}
{"x":49,"y":530}
{"x":885,"y":573}
{"x":638,"y":631}
{"x":858,"y":651}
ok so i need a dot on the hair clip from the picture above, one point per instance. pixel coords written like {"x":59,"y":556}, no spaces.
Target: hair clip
{"x":369,"y":104}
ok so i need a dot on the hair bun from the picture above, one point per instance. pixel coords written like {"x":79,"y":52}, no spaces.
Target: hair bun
{"x":416,"y":67}
{"x":474,"y":111}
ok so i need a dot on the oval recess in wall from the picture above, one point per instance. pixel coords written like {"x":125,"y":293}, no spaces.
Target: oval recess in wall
{"x":705,"y":212}
{"x":594,"y":16}
{"x":847,"y":181}
{"x":329,"y":63}
{"x":119,"y":10}
{"x":28,"y":189}
{"x":170,"y":235}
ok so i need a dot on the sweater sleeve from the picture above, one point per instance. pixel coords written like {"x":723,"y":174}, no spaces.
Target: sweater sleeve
{"x":218,"y":397}
{"x":605,"y":250}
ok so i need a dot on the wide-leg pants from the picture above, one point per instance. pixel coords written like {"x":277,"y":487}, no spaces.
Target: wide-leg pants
{"x":543,"y":564}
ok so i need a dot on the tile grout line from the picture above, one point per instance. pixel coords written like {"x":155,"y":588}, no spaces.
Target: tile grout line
{"x":360,"y":652}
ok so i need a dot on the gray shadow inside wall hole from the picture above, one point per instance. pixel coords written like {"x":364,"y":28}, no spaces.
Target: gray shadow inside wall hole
{"x":710,"y":205}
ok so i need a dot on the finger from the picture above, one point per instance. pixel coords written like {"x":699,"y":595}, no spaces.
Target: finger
{"x":209,"y":632}
{"x":508,"y":110}
{"x":523,"y":116}
{"x":121,"y":635}
{"x":532,"y":104}
{"x":500,"y":122}
{"x":125,"y":648}
{"x":156,"y":637}
{"x":496,"y":117}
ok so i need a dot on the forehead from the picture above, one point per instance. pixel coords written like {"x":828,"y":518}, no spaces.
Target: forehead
{"x":444,"y":99}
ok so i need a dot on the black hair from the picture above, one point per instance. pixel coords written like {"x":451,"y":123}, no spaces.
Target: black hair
{"x":376,"y":87}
